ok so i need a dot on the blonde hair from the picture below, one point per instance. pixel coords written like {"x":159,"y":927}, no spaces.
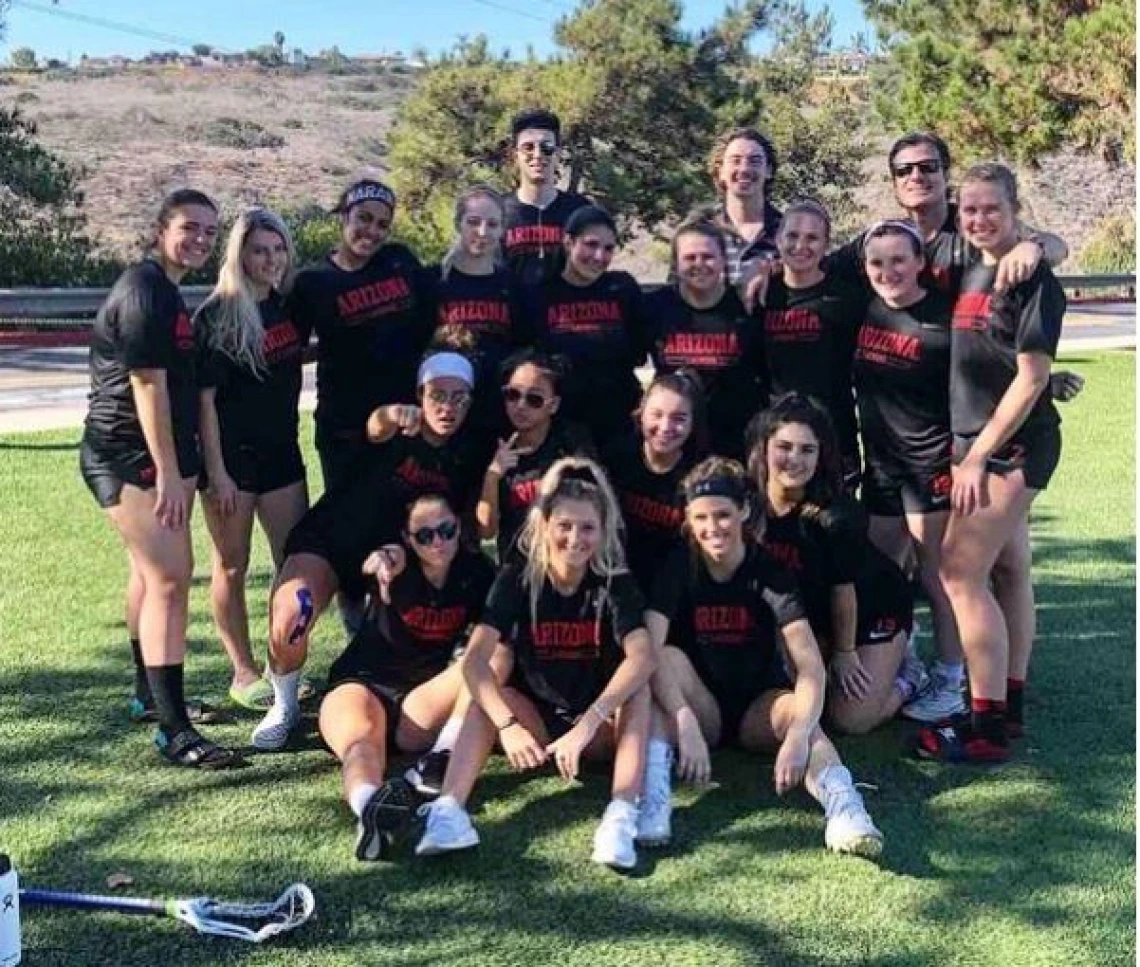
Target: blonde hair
{"x":461,"y":203}
{"x":235,"y":323}
{"x":571,"y":478}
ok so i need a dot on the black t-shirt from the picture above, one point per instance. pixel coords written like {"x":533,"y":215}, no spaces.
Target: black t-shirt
{"x":411,"y":639}
{"x":822,"y":550}
{"x":518,"y":488}
{"x":728,"y":628}
{"x":902,"y":382}
{"x":373,"y":326}
{"x":723,"y":344}
{"x":257,"y":407}
{"x":143,"y":325}
{"x":567,"y":655}
{"x":809,"y":342}
{"x":601,"y":329}
{"x":532,"y":240}
{"x":652,"y":506}
{"x":990,"y":330}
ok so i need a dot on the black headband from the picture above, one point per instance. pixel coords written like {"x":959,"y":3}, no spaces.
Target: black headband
{"x":368,"y":190}
{"x":583,"y":474}
{"x":719,"y":486}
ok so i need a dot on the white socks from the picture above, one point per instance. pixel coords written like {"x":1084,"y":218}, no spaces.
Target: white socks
{"x":445,"y":741}
{"x":358,"y":798}
{"x":285,"y":687}
{"x":833,"y":780}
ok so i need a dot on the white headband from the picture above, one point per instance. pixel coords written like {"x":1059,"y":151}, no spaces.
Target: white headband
{"x":441,"y":365}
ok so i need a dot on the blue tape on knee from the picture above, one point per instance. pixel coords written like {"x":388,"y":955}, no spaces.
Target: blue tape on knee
{"x":305,"y":603}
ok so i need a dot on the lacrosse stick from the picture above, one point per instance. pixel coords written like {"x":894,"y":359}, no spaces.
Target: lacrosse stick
{"x":287,"y":912}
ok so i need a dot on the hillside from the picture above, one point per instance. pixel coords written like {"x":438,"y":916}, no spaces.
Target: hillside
{"x":293,"y":139}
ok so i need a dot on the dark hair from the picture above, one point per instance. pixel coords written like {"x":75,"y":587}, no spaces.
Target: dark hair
{"x":587,"y":217}
{"x":727,"y":477}
{"x":361,"y":190}
{"x":536,"y":118}
{"x":699,"y":225}
{"x":720,"y":146}
{"x":179,"y":198}
{"x":827,"y":484}
{"x":687,"y":384}
{"x":893,"y":228}
{"x":554,"y":366}
{"x":808,"y":206}
{"x":428,"y":496}
{"x":916,"y":138}
{"x":992,"y":173}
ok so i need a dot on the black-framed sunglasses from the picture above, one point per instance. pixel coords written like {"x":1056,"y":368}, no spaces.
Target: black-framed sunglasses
{"x":928,"y":166}
{"x":458,"y":399}
{"x":536,"y":401}
{"x":545,"y":148}
{"x":425,"y":536}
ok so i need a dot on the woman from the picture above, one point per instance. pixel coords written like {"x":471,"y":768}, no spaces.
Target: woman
{"x":809,"y":320}
{"x":646,"y":469}
{"x":902,"y":372}
{"x":857,"y":600}
{"x":420,"y":449}
{"x":571,"y":616}
{"x":139,"y":457}
{"x":473,"y":291}
{"x":393,"y":685}
{"x":699,"y":322}
{"x":594,"y":318}
{"x":249,"y":427}
{"x":366,"y":303}
{"x":719,"y":611}
{"x":1007,"y":443}
{"x":532,"y":396}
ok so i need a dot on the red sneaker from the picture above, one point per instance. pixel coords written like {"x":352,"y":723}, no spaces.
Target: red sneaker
{"x":958,"y":742}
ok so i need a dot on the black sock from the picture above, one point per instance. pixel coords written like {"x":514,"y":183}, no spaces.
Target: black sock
{"x":142,"y":686}
{"x":169,"y":702}
{"x":1015,"y":700}
{"x":988,"y":720}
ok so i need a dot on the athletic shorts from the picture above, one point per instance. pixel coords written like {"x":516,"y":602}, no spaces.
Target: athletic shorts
{"x":1034,"y":450}
{"x":339,"y":455}
{"x":734,"y":705}
{"x":105,"y":470}
{"x":894,"y":490}
{"x":261,"y":468}
{"x":556,"y":720}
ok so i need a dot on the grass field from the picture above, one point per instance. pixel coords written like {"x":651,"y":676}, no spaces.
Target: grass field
{"x":1032,"y":864}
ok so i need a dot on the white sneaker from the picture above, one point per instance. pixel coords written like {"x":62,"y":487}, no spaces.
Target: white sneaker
{"x":613,"y":839}
{"x":940,"y":701}
{"x":448,"y":828}
{"x":849,"y":827}
{"x":273,"y":731}
{"x":654,"y":826}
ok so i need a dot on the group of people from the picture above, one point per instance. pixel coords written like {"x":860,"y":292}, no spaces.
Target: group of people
{"x":530,"y":550}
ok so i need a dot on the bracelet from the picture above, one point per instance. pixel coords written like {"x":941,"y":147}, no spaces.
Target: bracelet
{"x":507,"y":724}
{"x":602,"y":717}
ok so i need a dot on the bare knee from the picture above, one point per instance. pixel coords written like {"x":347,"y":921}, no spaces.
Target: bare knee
{"x":853,"y":718}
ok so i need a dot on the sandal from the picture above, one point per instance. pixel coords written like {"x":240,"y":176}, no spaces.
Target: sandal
{"x":197,"y":712}
{"x":191,"y":749}
{"x":257,"y":696}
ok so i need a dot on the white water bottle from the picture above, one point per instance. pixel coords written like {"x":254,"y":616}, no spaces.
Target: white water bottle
{"x":9,"y":914}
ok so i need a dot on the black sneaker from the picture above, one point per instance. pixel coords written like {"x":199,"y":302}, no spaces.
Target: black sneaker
{"x":426,"y":776}
{"x":385,"y":816}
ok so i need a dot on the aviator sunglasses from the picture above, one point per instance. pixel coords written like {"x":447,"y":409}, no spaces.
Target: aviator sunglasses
{"x":425,"y":536}
{"x":532,"y":399}
{"x":928,"y":166}
{"x":545,"y":148}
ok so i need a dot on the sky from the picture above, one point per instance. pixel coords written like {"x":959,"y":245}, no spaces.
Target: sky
{"x":70,"y":28}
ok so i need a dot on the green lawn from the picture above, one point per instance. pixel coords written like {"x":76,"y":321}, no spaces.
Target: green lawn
{"x":1030,"y":864}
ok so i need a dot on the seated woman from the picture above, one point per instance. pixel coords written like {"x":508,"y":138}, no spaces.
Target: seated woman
{"x":423,"y":451}
{"x":723,"y":606}
{"x":392,"y":685}
{"x":858,"y":600}
{"x":570,"y":615}
{"x":532,"y":397}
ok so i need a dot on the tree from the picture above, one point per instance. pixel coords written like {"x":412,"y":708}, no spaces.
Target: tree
{"x":23,"y":58}
{"x":279,"y":43}
{"x":202,"y":50}
{"x":641,"y":101}
{"x":1011,"y":78}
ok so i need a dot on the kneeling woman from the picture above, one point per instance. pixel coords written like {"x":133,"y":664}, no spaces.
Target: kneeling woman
{"x":857,"y":599}
{"x":723,"y":606}
{"x":571,"y":616}
{"x":392,"y":685}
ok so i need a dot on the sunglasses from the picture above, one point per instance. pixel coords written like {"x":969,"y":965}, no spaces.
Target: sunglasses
{"x":928,"y":166}
{"x":425,"y":536}
{"x":536,"y":401}
{"x":441,"y":397}
{"x":545,"y":148}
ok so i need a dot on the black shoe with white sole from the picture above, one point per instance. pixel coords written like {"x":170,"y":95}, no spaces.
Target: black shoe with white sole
{"x":385,"y":816}
{"x":426,"y":776}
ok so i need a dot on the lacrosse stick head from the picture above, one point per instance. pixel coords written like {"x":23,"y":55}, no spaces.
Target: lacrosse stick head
{"x":255,"y":922}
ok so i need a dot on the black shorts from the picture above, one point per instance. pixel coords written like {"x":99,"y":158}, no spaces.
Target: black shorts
{"x":555,"y":719}
{"x":1034,"y":450}
{"x":261,"y":468}
{"x":885,"y":600}
{"x":894,"y":490}
{"x":339,"y":454}
{"x":734,"y":705}
{"x":106,"y":469}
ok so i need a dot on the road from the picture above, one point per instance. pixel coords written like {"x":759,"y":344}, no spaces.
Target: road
{"x":43,"y":389}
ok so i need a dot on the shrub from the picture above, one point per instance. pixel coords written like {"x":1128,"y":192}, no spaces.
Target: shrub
{"x":226,"y":132}
{"x":1111,"y":248}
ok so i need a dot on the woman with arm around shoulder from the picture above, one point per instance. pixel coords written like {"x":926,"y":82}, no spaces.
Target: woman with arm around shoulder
{"x":571,"y":616}
{"x":249,"y":426}
{"x":1007,"y":443}
{"x":139,"y":457}
{"x":717,"y":616}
